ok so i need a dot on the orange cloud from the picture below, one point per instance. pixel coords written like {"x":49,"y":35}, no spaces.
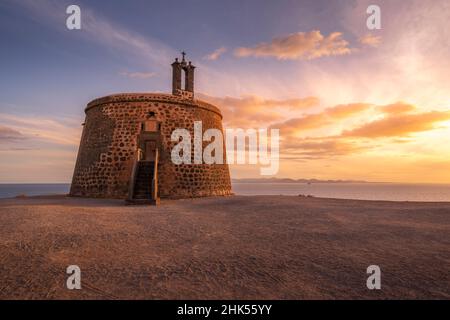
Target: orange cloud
{"x":399,"y":125}
{"x":215,"y":54}
{"x":300,"y":45}
{"x":346,"y":110}
{"x":326,"y":117}
{"x":397,"y":108}
{"x":294,"y":148}
{"x":370,"y":40}
{"x":253,"y":110}
{"x":310,"y":121}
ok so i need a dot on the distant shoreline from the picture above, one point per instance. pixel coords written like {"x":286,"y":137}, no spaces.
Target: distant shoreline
{"x":276,"y":180}
{"x":334,"y":189}
{"x":266,"y":180}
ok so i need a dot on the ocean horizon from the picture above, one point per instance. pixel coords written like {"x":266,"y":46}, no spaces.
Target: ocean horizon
{"x":346,"y":190}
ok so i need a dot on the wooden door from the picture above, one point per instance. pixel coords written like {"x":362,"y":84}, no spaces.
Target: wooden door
{"x":150,"y":150}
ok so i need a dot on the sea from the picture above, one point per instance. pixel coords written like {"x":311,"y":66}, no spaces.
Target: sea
{"x":360,"y":191}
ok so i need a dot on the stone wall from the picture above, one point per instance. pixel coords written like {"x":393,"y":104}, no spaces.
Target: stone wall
{"x":108,"y":147}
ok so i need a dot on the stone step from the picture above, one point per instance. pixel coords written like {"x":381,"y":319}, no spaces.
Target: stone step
{"x":142,"y":191}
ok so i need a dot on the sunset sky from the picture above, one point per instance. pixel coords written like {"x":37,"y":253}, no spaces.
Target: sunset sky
{"x":350,"y":103}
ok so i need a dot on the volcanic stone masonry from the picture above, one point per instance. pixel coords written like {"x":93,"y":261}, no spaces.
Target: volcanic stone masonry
{"x":121,"y":130}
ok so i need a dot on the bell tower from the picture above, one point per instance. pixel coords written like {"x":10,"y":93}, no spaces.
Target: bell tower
{"x":177,"y":72}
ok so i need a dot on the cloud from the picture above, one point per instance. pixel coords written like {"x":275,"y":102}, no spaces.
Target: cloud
{"x":59,"y":131}
{"x":346,"y":110}
{"x":399,"y":125}
{"x":300,"y":45}
{"x":137,"y":75}
{"x":326,"y":117}
{"x":306,"y":122}
{"x":396,"y":124}
{"x":215,"y":54}
{"x":296,"y":148}
{"x":252,"y":100}
{"x":397,"y":108}
{"x":253,"y":110}
{"x":8,"y":134}
{"x":370,"y":40}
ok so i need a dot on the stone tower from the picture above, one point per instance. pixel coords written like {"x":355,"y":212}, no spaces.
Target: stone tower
{"x":125,"y":149}
{"x":177,"y":69}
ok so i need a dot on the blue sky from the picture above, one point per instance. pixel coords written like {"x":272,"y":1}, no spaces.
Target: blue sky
{"x":43,"y":63}
{"x":272,"y":59}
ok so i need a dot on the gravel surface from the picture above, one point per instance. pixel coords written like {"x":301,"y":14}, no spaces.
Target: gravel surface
{"x":238,"y":247}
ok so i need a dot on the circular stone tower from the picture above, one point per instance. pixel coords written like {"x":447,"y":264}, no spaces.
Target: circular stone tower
{"x":126,"y":146}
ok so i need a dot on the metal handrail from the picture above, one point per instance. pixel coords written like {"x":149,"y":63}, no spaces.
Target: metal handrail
{"x":155,"y":177}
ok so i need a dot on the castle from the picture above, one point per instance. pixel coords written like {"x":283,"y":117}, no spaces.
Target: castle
{"x":125,"y":149}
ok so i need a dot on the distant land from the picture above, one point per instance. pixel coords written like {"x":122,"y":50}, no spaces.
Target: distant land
{"x":288,"y":180}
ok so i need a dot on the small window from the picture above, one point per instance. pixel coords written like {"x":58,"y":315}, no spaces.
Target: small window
{"x":151,"y":126}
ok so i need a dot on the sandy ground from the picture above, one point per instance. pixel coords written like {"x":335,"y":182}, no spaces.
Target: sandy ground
{"x":259,"y":247}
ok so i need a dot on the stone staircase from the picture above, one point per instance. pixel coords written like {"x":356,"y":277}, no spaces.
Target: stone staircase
{"x":143,"y":181}
{"x":143,"y":188}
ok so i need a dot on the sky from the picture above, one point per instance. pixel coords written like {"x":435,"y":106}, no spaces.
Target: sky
{"x":351,"y":103}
